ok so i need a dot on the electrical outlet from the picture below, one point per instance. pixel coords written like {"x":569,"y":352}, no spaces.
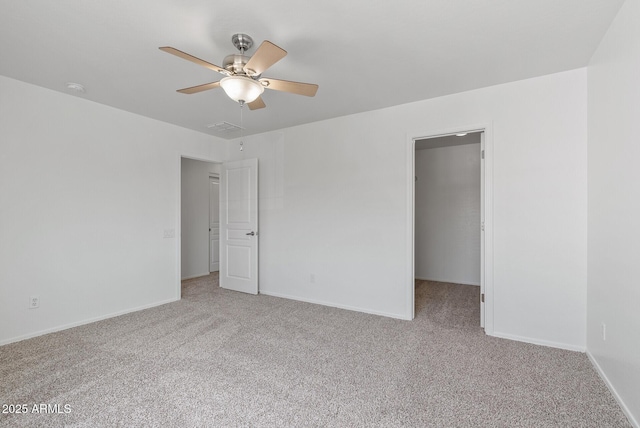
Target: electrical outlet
{"x":604,"y":332}
{"x":169,"y":233}
{"x":312,"y":278}
{"x":34,"y":302}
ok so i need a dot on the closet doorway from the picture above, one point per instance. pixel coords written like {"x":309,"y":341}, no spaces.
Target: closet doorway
{"x":448,"y":211}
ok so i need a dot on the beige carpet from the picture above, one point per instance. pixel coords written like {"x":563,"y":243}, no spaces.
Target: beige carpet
{"x":220,"y":358}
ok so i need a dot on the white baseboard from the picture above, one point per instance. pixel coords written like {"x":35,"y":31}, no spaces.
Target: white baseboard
{"x":195,"y":276}
{"x":336,"y":305}
{"x":477,"y":284}
{"x":541,"y":342}
{"x":632,"y":420}
{"x":83,"y":322}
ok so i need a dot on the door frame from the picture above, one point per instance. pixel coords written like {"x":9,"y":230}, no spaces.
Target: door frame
{"x":486,"y":267}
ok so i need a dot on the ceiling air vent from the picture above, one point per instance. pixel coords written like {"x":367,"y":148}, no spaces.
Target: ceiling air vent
{"x":224,"y":128}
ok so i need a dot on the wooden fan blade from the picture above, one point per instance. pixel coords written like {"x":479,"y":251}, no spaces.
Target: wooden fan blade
{"x":184,"y":55}
{"x":306,"y":89}
{"x":256,"y":104}
{"x":199,"y":88}
{"x":266,"y":55}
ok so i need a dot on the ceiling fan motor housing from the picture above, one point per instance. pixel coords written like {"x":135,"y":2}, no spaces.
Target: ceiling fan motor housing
{"x":235,"y":63}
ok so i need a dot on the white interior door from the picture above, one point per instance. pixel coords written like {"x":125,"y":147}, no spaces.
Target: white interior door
{"x":239,"y":226}
{"x":482,"y":195}
{"x":214,"y":224}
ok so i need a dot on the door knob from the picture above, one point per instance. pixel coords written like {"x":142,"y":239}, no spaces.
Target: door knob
{"x":252,"y":233}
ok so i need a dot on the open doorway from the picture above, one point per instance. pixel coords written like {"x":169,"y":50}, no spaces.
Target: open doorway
{"x":449,"y":213}
{"x":236,"y":241}
{"x":195,"y":218}
{"x":448,"y":216}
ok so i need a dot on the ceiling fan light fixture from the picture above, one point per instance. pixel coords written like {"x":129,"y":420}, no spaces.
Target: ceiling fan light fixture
{"x":241,"y":88}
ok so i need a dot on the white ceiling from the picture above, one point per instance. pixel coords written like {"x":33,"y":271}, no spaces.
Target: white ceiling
{"x":364,"y":54}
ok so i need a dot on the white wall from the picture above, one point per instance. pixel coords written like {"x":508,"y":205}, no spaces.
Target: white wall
{"x":195,"y":216}
{"x":614,"y":204}
{"x":447,"y":213}
{"x":86,"y":194}
{"x":333,"y":204}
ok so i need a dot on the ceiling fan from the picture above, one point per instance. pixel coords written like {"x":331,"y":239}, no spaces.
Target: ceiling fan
{"x":243,"y":82}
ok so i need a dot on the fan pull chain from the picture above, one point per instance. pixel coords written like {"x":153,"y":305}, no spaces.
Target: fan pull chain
{"x":241,"y":126}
